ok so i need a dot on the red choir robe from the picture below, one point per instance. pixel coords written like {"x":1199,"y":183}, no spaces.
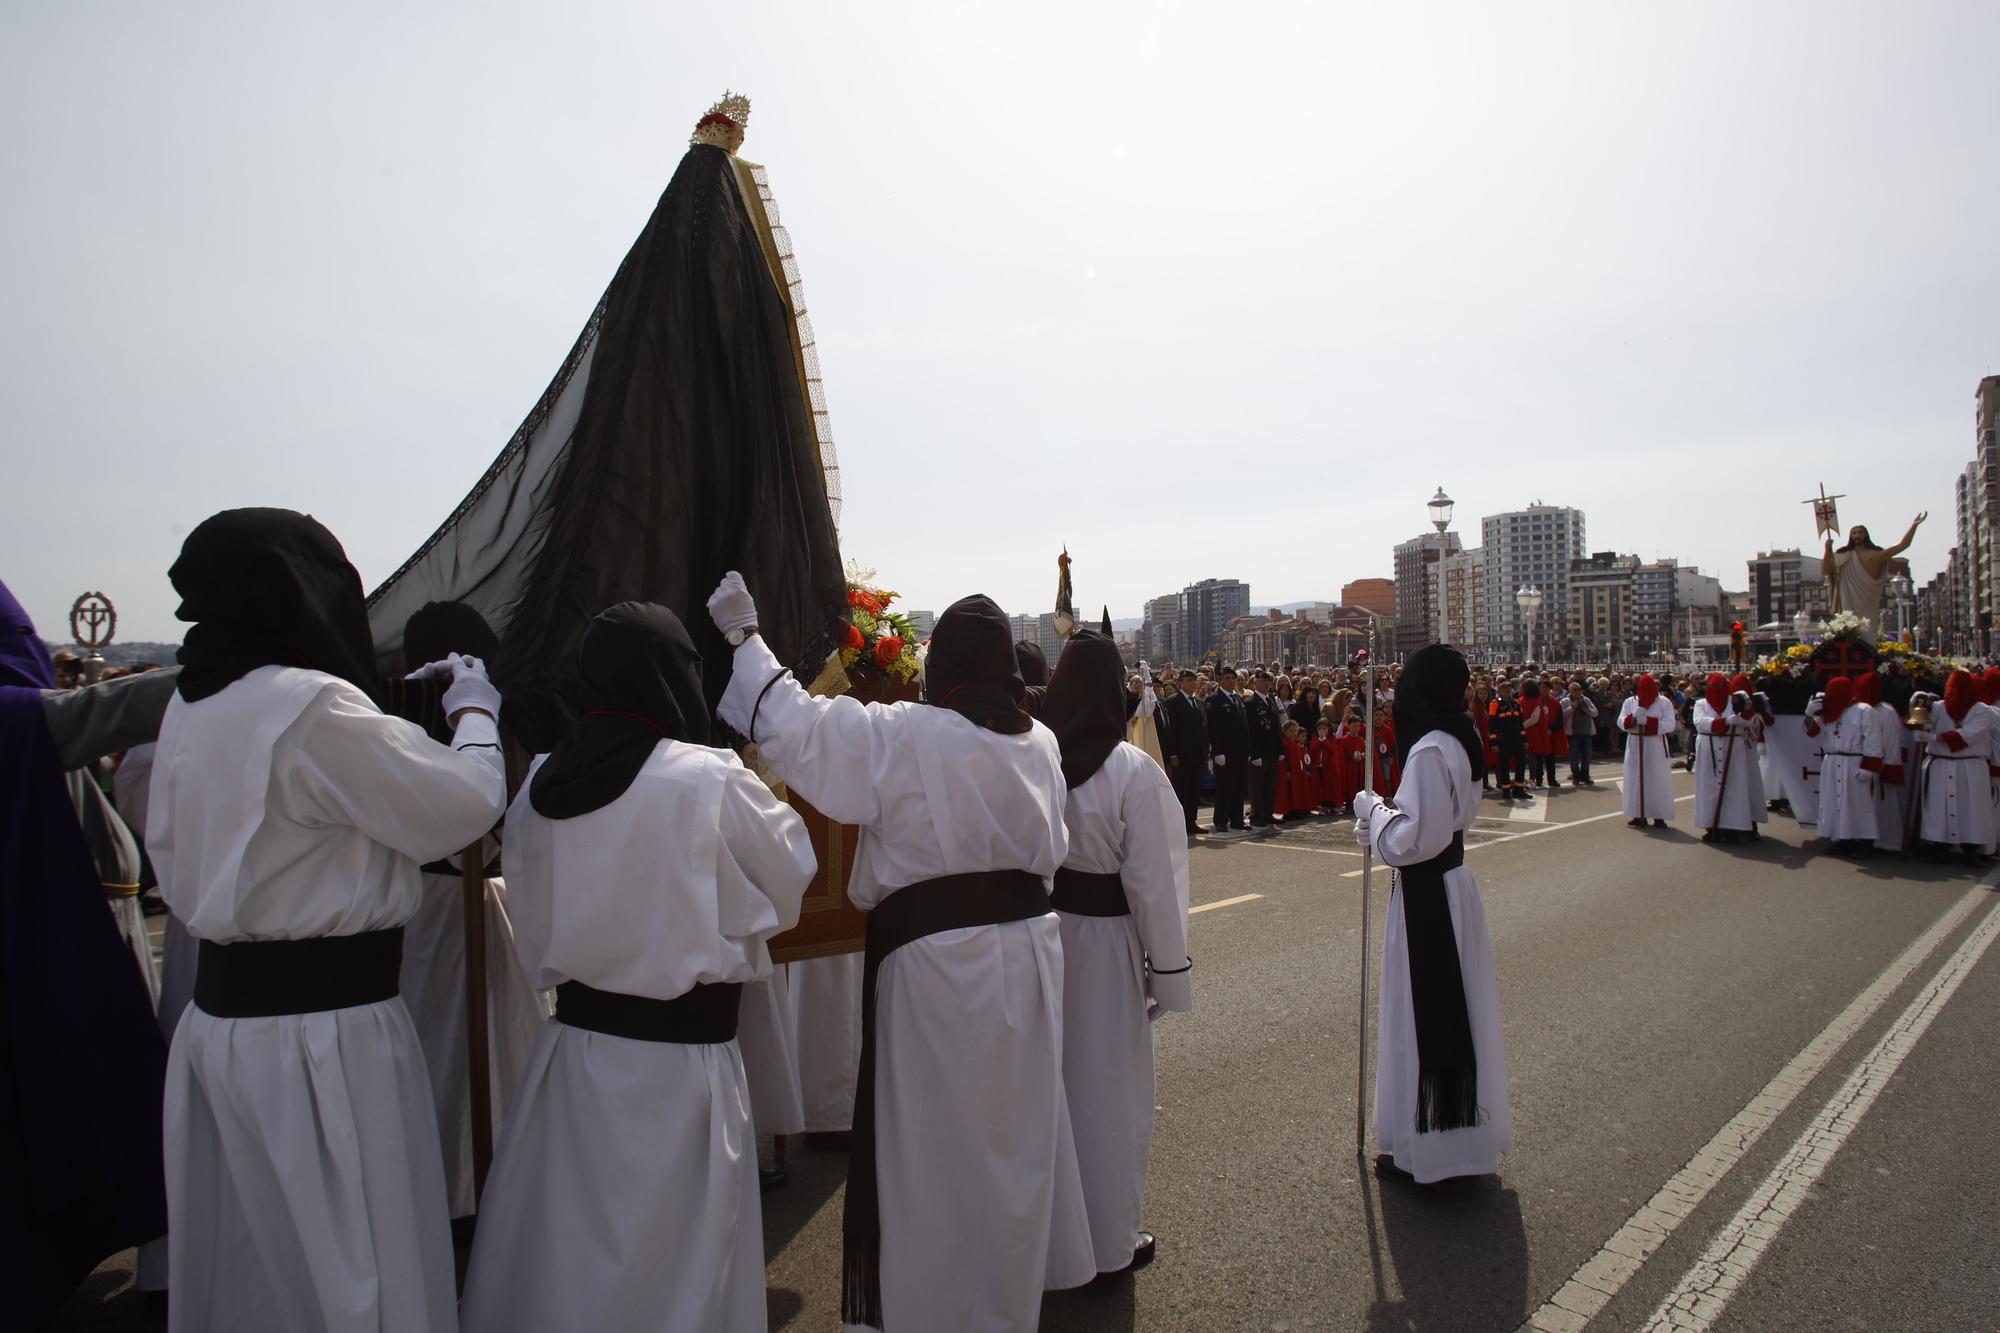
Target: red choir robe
{"x":1298,"y":794}
{"x":1326,"y":768}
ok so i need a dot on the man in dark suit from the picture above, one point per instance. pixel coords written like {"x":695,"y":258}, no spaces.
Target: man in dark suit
{"x":1228,"y":750}
{"x":1185,"y":743}
{"x":1264,"y":721}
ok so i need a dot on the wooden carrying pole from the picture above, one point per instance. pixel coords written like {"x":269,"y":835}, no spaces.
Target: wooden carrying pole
{"x":479,"y":1067}
{"x":1367,"y":876}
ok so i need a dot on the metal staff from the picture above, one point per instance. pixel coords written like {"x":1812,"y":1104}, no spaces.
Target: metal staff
{"x":472,"y":882}
{"x":1722,"y":787}
{"x":1367,"y":876}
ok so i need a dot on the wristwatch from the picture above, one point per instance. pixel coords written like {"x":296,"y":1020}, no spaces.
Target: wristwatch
{"x":736,"y":637}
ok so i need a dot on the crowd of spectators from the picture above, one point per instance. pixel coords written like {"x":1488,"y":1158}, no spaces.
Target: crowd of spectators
{"x":1290,"y":742}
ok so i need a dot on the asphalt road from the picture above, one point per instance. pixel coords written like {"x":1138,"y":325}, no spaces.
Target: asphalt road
{"x":1690,"y":1030}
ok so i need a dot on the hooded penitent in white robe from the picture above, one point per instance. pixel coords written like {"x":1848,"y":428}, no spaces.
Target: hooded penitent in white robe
{"x":1958,"y":805}
{"x":826,"y":1007}
{"x":1649,"y":777}
{"x":1123,"y":820}
{"x":624,"y":1190}
{"x":1851,"y":758}
{"x":305,"y":1189}
{"x":1725,"y":765}
{"x":981,"y":1205}
{"x":434,"y":993}
{"x":1437,"y":799}
{"x":1892,"y":793}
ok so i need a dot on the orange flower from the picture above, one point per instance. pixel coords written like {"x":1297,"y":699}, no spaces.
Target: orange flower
{"x":865,"y":600}
{"x":888,"y":649}
{"x":851,"y":637}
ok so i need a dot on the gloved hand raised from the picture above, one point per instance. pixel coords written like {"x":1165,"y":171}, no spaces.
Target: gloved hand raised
{"x":469,"y":688}
{"x":731,"y":606}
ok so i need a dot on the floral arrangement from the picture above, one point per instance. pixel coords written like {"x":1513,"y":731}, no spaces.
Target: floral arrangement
{"x":875,"y":638}
{"x":1891,"y":659}
{"x":1846,"y":625}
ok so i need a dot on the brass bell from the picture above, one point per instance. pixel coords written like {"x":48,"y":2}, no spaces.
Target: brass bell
{"x":1920,"y":713}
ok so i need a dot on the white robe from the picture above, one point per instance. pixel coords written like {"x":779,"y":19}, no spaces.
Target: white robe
{"x":434,"y":993}
{"x":624,"y":1192}
{"x":1892,"y":796}
{"x":767,"y":1034}
{"x":1123,"y":820}
{"x":1724,"y":767}
{"x":1850,"y":749}
{"x":305,"y":1189}
{"x":1648,"y":771}
{"x":981,"y":1205}
{"x":1958,"y":805}
{"x":131,"y":785}
{"x":1437,"y":798}
{"x":826,"y":1009}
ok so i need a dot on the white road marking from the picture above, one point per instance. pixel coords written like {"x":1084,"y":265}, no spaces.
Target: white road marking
{"x":1704,"y":1291}
{"x":1592,"y":1286}
{"x":1225,"y":902}
{"x":1535,"y":810}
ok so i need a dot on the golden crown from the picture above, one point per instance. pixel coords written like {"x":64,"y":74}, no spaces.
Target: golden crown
{"x":722,"y":125}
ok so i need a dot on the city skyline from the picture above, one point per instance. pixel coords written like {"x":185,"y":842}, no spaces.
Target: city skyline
{"x":1681,"y":302}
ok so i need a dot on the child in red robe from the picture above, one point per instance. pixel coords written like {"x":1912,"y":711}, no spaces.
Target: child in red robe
{"x":1326,"y":767}
{"x":1298,"y":793}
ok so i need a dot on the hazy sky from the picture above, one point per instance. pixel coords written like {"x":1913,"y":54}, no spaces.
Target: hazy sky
{"x":1196,"y":292}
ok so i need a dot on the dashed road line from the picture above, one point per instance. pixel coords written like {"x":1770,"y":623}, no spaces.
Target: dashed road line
{"x":1225,"y":902}
{"x":1592,"y":1286}
{"x":1704,"y":1291}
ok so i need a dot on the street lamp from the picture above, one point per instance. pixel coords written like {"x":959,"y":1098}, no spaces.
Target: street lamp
{"x":1529,"y":599}
{"x":1900,"y":592}
{"x":1440,"y":506}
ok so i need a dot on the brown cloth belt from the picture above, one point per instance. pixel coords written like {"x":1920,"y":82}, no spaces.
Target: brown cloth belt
{"x":929,"y":907}
{"x":704,"y":1016}
{"x":1082,"y":893}
{"x":266,"y":978}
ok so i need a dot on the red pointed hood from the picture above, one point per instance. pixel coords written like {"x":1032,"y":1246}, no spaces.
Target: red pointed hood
{"x":1961,"y":692}
{"x":1716,"y":692}
{"x":1839,"y":698}
{"x":1868,"y":690}
{"x":1989,"y":686}
{"x":1742,"y":685}
{"x":1648,"y":690}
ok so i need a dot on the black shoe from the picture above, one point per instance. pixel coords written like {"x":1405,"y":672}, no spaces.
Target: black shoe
{"x":1635,"y":823}
{"x":1755,"y":836}
{"x":1659,"y":823}
{"x":1386,"y":1168}
{"x":1143,"y":1252}
{"x":1708,"y":835}
{"x":770,"y":1178}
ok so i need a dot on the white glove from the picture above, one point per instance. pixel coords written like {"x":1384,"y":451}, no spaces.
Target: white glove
{"x":1365,"y":805}
{"x":469,"y":688}
{"x":1816,"y":706}
{"x":730,"y":606}
{"x":1221,"y":759}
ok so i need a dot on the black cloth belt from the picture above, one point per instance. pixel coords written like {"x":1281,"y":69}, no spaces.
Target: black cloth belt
{"x":265,"y":978}
{"x":443,"y":867}
{"x":1842,"y":754}
{"x":1447,"y":1064}
{"x":1082,"y":893}
{"x":929,"y":907}
{"x":1955,"y":758}
{"x":704,"y":1016}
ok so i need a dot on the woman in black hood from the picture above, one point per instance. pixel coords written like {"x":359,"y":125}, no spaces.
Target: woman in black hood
{"x":1441,"y":1106}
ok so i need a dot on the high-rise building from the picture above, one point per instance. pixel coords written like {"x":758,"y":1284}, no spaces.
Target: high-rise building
{"x":923,"y":622}
{"x":1529,"y":547}
{"x":1160,"y":635}
{"x":1373,"y":595}
{"x":1417,"y":589}
{"x":1207,"y":608}
{"x":1785,"y":582}
{"x":1023,"y":628}
{"x":1602,"y":589}
{"x":1464,"y":574}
